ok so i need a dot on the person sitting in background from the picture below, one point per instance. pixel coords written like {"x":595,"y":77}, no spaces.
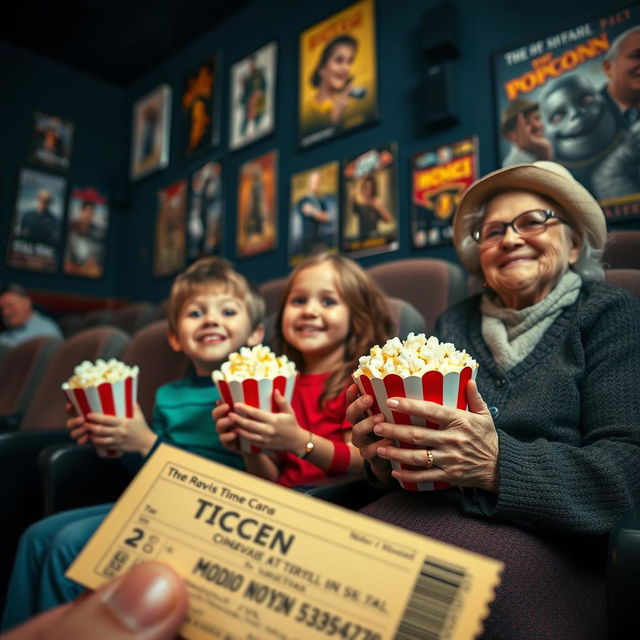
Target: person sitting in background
{"x":213,"y":311}
{"x":21,"y":321}
{"x":545,"y":461}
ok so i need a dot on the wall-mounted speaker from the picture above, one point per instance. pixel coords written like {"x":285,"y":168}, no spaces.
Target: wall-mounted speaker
{"x":435,"y":100}
{"x":439,"y":33}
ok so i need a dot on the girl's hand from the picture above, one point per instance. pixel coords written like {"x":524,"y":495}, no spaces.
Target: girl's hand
{"x":226,"y":428}
{"x":362,"y":435}
{"x":274,"y":431}
{"x":79,"y":430}
{"x":464,"y":449}
{"x":121,"y":434}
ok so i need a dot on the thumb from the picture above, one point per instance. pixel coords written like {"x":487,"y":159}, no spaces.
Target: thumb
{"x":283,"y":405}
{"x":148,"y":603}
{"x":474,"y":399}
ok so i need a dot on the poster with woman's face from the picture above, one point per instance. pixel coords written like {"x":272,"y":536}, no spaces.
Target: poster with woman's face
{"x":253,"y":95}
{"x":37,"y":223}
{"x":338,"y":74}
{"x":169,"y":256}
{"x":205,"y":211}
{"x":313,"y":221}
{"x":87,"y":225}
{"x":257,"y":214}
{"x":370,"y":202}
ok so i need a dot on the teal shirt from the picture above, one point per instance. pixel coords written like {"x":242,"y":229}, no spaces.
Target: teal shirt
{"x":182,"y":417}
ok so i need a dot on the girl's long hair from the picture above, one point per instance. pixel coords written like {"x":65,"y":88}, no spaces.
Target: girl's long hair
{"x":369,"y":317}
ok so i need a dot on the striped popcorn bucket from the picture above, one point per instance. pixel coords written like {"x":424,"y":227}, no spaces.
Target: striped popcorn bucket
{"x":256,"y":393}
{"x":449,"y":390}
{"x":111,"y":398}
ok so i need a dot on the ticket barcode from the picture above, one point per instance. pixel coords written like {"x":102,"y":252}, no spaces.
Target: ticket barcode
{"x":431,"y":608}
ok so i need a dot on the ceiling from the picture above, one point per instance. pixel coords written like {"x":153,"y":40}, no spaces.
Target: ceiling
{"x":116,"y":40}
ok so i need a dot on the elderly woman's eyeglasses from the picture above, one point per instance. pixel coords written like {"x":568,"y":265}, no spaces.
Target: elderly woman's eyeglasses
{"x":528,"y":223}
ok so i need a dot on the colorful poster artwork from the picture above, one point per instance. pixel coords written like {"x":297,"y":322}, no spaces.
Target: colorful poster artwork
{"x":151,"y":124}
{"x":338,"y":84}
{"x":439,"y":176}
{"x":205,"y":211}
{"x":313,"y":221}
{"x":87,"y":224}
{"x":35,"y":239}
{"x":253,"y":96}
{"x":574,"y":97}
{"x":257,"y":229}
{"x":169,"y":256}
{"x":201,"y":107}
{"x":370,"y":202}
{"x":52,"y":141}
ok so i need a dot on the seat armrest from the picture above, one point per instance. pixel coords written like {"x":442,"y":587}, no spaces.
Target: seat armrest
{"x":351,"y":491}
{"x":623,"y":577}
{"x":75,"y":476}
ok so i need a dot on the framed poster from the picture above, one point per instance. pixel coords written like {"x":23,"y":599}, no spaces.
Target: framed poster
{"x":569,"y":97}
{"x":35,"y":237}
{"x":52,"y":141}
{"x":370,"y":202}
{"x":201,"y":107}
{"x":253,"y":94}
{"x":313,"y":221}
{"x":338,"y":84}
{"x":150,"y":134}
{"x":169,"y":256}
{"x":87,"y":224}
{"x":205,"y":211}
{"x":257,"y":216}
{"x":439,"y":176}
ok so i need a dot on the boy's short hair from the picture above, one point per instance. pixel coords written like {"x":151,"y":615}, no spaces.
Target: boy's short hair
{"x":213,"y":270}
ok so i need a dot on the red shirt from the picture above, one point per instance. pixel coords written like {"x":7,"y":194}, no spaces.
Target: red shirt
{"x":329,"y":422}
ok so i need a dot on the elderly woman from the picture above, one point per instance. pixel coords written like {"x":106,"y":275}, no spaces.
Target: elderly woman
{"x":547,"y":456}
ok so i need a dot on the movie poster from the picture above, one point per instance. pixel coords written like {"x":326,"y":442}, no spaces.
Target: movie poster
{"x":170,"y":229}
{"x":370,"y":202}
{"x":313,"y":222}
{"x":52,"y":140}
{"x":201,"y":107}
{"x":257,"y":213}
{"x":570,"y":97}
{"x":253,"y":96}
{"x":150,"y":134}
{"x":438,"y":178}
{"x":205,"y":212}
{"x":87,"y":224}
{"x":338,"y":84}
{"x":37,"y":222}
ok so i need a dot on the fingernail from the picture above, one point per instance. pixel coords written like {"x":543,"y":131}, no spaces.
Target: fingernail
{"x":392,"y":403}
{"x":144,"y":598}
{"x":377,"y":430}
{"x":366,"y":401}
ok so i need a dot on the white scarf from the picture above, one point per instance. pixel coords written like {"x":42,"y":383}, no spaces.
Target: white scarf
{"x":511,"y":334}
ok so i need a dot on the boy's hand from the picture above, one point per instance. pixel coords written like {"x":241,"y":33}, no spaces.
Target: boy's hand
{"x":122,"y":434}
{"x":225,"y":428}
{"x":274,"y":431}
{"x":78,"y":430}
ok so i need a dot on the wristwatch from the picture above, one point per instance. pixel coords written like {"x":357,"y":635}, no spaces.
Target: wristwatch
{"x":308,"y":447}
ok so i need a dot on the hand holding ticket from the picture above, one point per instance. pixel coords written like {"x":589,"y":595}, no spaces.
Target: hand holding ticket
{"x":265,"y":562}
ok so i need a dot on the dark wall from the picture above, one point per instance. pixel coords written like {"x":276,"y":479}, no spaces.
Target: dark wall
{"x":32,"y":83}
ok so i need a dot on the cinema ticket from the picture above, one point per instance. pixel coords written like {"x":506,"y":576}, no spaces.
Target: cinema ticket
{"x":263,"y":562}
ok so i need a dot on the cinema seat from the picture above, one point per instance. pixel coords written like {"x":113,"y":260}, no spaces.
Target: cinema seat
{"x":622,"y":250}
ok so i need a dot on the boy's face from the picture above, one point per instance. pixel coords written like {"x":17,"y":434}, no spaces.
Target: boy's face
{"x":211,"y":325}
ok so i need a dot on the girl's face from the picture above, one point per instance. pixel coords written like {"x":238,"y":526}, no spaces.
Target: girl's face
{"x":337,"y":70}
{"x":316,"y":319}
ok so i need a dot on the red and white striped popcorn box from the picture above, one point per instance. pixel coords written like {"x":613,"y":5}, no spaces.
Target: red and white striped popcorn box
{"x":449,"y":390}
{"x":111,"y":398}
{"x":256,"y":393}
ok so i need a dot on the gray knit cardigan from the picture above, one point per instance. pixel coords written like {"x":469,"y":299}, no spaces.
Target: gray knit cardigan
{"x":567,"y":416}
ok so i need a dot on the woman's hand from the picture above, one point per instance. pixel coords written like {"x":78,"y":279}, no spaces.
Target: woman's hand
{"x":226,"y":428}
{"x":273,"y":431}
{"x":362,"y":435}
{"x":464,"y":449}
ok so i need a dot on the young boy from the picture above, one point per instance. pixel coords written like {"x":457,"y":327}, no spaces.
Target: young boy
{"x":212,"y":312}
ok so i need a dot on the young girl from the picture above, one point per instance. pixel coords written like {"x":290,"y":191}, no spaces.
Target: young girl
{"x":331,"y":314}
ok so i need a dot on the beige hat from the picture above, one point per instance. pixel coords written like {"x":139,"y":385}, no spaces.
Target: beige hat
{"x":511,"y":111}
{"x":545,"y":178}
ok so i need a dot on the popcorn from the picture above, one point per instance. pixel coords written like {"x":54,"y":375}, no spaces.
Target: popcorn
{"x":413,"y":357}
{"x":109,"y":387}
{"x":251,"y":376}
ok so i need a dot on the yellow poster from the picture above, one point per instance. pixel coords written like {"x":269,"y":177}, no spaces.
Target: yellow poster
{"x":338,"y":74}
